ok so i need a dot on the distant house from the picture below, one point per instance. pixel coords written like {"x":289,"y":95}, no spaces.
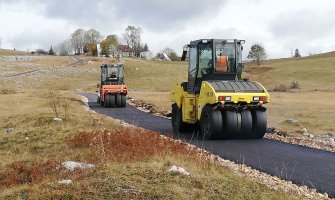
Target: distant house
{"x":124,"y":50}
{"x":146,"y":55}
{"x":41,"y":51}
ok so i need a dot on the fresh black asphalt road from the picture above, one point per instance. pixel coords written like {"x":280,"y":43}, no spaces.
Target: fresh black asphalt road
{"x":301,"y":165}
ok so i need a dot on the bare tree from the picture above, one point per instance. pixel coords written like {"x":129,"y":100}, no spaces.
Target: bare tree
{"x":92,"y":36}
{"x":78,"y":40}
{"x":64,"y":48}
{"x":109,"y":45}
{"x":132,"y":36}
{"x":167,"y":51}
{"x":257,"y":53}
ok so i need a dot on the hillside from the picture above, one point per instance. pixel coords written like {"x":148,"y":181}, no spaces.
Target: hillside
{"x":312,"y":72}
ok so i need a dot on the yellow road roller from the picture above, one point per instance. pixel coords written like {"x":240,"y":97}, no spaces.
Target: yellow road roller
{"x":215,"y":98}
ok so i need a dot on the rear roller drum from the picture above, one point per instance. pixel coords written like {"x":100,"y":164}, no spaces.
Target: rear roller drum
{"x":118,"y":100}
{"x":112,"y":100}
{"x":123,"y":100}
{"x":231,"y":124}
{"x":107,"y":101}
{"x":246,"y":124}
{"x":210,"y":122}
{"x":259,"y":124}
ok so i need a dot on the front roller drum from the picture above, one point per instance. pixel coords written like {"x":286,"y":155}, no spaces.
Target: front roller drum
{"x":107,"y":100}
{"x":118,"y":100}
{"x":112,"y":100}
{"x":176,"y":119}
{"x":123,"y":100}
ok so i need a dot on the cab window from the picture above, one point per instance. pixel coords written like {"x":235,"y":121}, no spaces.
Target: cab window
{"x":192,"y":62}
{"x":225,"y":56}
{"x":205,"y":60}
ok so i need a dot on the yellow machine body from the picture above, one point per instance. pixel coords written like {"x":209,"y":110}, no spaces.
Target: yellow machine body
{"x":192,"y":104}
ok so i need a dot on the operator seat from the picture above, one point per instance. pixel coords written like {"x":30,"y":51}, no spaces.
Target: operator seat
{"x":221,"y":64}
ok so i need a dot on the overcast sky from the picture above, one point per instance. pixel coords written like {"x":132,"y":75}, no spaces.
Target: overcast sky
{"x":280,"y":25}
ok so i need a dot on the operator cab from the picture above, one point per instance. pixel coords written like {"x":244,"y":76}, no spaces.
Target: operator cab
{"x":112,"y":74}
{"x":213,"y":59}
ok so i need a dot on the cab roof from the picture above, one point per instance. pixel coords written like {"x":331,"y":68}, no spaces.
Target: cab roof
{"x":196,"y":42}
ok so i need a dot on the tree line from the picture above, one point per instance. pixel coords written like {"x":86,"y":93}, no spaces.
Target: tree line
{"x":85,"y":42}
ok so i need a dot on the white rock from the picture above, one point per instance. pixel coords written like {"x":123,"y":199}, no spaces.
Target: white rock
{"x":57,"y":119}
{"x":180,"y":170}
{"x":65,"y":182}
{"x":292,"y":121}
{"x":26,"y":138}
{"x":304,"y":130}
{"x":325,"y":195}
{"x":9,"y":130}
{"x":304,"y":187}
{"x":72,"y":165}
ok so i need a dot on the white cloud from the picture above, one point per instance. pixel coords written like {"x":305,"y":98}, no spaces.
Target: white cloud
{"x":280,"y":25}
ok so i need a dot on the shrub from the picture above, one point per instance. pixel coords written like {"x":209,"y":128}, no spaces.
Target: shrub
{"x":294,"y":85}
{"x":280,"y":88}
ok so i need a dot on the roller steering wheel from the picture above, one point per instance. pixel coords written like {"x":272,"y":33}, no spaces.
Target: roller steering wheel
{"x":206,"y":71}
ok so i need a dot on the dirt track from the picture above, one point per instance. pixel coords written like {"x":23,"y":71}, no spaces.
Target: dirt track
{"x":301,"y":165}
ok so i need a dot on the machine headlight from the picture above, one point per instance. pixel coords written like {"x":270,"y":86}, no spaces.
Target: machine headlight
{"x":261,"y":98}
{"x":224,"y":98}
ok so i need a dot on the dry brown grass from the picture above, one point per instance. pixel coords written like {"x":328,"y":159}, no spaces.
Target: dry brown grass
{"x":7,"y":52}
{"x":127,"y":145}
{"x":312,"y":110}
{"x":24,"y":172}
{"x":159,"y":99}
{"x":154,"y":76}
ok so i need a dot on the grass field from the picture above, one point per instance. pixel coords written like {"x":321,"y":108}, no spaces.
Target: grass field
{"x":154,"y":75}
{"x":128,"y":165}
{"x":6,"y":52}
